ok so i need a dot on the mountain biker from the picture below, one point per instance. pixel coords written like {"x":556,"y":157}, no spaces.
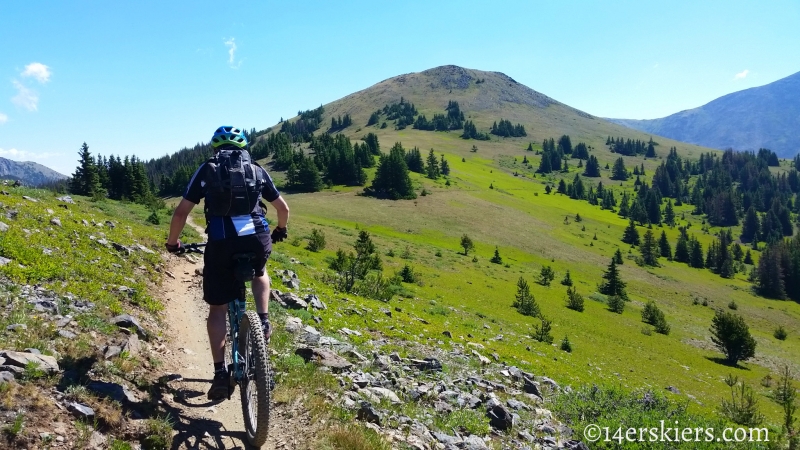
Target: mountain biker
{"x":228,"y":235}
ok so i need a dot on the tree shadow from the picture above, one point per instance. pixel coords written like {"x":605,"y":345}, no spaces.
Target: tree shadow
{"x":725,"y":362}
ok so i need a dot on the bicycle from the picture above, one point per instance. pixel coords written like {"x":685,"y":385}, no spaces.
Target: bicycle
{"x":246,"y":353}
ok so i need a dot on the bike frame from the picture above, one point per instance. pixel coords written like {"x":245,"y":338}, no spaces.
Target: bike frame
{"x":236,"y":310}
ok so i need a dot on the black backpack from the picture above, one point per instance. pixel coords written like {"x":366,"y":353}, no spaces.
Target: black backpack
{"x":233,"y":183}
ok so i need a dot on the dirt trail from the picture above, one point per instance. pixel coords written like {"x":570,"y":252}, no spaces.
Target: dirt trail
{"x":200,"y":423}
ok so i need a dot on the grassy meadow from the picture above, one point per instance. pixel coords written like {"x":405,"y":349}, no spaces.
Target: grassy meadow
{"x":529,"y":229}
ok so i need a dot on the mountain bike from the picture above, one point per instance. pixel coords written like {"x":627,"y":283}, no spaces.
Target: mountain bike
{"x":246,"y":353}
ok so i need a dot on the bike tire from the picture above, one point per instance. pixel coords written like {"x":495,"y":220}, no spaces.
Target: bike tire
{"x":254,"y":388}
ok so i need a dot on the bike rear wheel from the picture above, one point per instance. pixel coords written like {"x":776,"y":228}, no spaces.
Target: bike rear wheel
{"x":254,"y":387}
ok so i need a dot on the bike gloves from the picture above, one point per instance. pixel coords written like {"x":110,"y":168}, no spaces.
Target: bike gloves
{"x":278,"y":234}
{"x":177,"y":248}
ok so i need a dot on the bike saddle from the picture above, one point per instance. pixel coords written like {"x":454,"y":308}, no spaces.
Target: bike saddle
{"x":244,"y":271}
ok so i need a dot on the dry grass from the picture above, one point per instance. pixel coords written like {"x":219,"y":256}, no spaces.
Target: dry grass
{"x":352,"y":437}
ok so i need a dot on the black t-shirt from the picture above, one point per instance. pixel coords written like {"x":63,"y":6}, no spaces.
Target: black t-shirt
{"x":220,"y":227}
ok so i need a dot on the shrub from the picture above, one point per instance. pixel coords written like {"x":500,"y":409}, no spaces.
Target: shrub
{"x":438,"y":253}
{"x":408,"y":275}
{"x":780,"y":333}
{"x":567,"y":280}
{"x":159,"y":433}
{"x":566,"y":346}
{"x":574,"y":300}
{"x":496,"y":259}
{"x":316,"y":241}
{"x":731,"y":335}
{"x":546,"y":276}
{"x":542,"y":333}
{"x":153,"y":218}
{"x":732,"y":305}
{"x":616,"y":304}
{"x":742,"y":409}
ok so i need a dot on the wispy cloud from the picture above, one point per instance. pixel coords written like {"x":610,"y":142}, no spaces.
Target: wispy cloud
{"x":15,"y":154}
{"x":38,"y":71}
{"x":231,"y":44}
{"x":25,"y":98}
{"x":3,"y":118}
{"x":741,"y":75}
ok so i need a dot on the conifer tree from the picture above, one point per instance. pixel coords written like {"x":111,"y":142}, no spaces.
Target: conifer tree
{"x":619,"y":172}
{"x":592,"y":167}
{"x":496,"y":259}
{"x":631,"y":234}
{"x":682,"y":249}
{"x":613,"y":286}
{"x":85,"y":179}
{"x":567,"y":280}
{"x":669,"y":214}
{"x":524,"y":301}
{"x":444,"y":167}
{"x":618,"y":257}
{"x":432,"y":167}
{"x":750,"y":226}
{"x":649,"y":249}
{"x":391,"y":177}
{"x":696,"y":253}
{"x":665,"y":250}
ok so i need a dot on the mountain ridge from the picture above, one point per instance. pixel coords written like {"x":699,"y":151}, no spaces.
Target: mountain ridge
{"x":765,"y":116}
{"x":28,"y":172}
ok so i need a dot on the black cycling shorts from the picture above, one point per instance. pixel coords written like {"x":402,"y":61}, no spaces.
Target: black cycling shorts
{"x":220,"y":286}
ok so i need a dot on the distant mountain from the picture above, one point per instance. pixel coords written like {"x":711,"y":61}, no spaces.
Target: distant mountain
{"x":29,"y":173}
{"x":761,"y":117}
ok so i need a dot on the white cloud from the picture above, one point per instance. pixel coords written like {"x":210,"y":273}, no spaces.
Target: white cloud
{"x":25,"y":98}
{"x":38,"y":71}
{"x":22,"y":155}
{"x":741,"y":75}
{"x":3,"y":118}
{"x":231,"y":44}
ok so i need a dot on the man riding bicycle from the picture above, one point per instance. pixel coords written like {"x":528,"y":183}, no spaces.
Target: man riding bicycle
{"x":232,"y":186}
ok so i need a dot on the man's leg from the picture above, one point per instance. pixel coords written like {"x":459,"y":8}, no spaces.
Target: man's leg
{"x":217,"y":316}
{"x":261,"y":296}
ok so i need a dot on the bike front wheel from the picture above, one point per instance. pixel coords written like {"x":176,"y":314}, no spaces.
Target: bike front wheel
{"x":254,"y":387}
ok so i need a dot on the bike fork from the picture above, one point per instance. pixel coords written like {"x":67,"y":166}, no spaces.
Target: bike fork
{"x":236,"y":309}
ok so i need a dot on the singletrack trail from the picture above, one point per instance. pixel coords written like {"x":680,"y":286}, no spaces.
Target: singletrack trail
{"x":198,"y":422}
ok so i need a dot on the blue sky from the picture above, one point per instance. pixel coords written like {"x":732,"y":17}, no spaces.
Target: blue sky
{"x":148,"y":78}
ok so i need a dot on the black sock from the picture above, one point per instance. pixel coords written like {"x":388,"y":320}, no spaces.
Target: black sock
{"x":219,"y":366}
{"x":264,"y":317}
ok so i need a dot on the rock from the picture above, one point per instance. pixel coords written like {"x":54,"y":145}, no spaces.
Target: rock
{"x":66,"y":199}
{"x":324,"y":357}
{"x":3,"y":227}
{"x":386,"y":393}
{"x":56,"y":221}
{"x":356,"y":355}
{"x":526,"y":436}
{"x":500,"y":418}
{"x":85,"y":222}
{"x":291,"y":283}
{"x":446,"y":439}
{"x":103,"y":242}
{"x":448,"y":334}
{"x":516,"y":404}
{"x":133,"y":346}
{"x":35,"y":351}
{"x":81,"y":411}
{"x":368,"y":413}
{"x":292,"y":301}
{"x":67,"y":334}
{"x":349,"y":332}
{"x":293,"y":324}
{"x":4,"y":261}
{"x":128,"y":321}
{"x":549,"y":382}
{"x":673,"y":389}
{"x":442,"y":407}
{"x":30,"y":199}
{"x":97,"y":441}
{"x":110,"y":224}
{"x":473,"y":442}
{"x":142,"y":248}
{"x":314,"y":302}
{"x":64,"y":321}
{"x":17,"y":327}
{"x":427,"y":364}
{"x":114,"y":391}
{"x":6,"y":376}
{"x":532,"y":387}
{"x":483,"y":360}
{"x":20,"y":359}
{"x":111,"y":351}
{"x":121,"y":248}
{"x":575,"y":445}
{"x":548,"y":429}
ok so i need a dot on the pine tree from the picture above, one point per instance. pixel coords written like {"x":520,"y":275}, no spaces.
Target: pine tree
{"x":748,"y":258}
{"x":574,"y":300}
{"x":750,"y":226}
{"x":592,"y":167}
{"x":618,"y":257}
{"x":524,"y":301}
{"x":731,"y":335}
{"x":85,"y":180}
{"x":467,"y":244}
{"x":614,"y":286}
{"x":496,"y":259}
{"x":444,"y":167}
{"x":669,"y":214}
{"x":649,"y":249}
{"x":391,"y":177}
{"x":665,"y":250}
{"x":696,"y":253}
{"x":567,"y":281}
{"x":682,"y":253}
{"x":631,"y":234}
{"x":619,"y":172}
{"x":432,"y":167}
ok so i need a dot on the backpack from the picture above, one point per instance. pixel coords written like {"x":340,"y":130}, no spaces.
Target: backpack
{"x":233,"y":183}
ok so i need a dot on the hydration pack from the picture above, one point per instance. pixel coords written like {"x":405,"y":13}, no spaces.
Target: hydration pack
{"x":233,"y":184}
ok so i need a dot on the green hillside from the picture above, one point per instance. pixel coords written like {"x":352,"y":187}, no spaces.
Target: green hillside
{"x":501,"y":204}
